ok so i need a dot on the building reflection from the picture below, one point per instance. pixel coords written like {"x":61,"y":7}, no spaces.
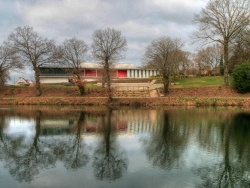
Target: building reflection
{"x":141,"y":121}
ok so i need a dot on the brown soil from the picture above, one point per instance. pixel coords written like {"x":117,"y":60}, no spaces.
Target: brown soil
{"x":30,"y":92}
{"x":209,"y":92}
{"x":206,"y":96}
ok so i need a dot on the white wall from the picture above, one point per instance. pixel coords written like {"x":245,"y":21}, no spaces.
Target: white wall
{"x":47,"y":80}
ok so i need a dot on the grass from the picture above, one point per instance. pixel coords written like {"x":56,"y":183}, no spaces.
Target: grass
{"x":56,"y":85}
{"x":16,"y":86}
{"x":69,"y":86}
{"x":92,"y":86}
{"x":199,"y":82}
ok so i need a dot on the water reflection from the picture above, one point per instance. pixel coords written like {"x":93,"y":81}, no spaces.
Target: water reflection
{"x":203,"y":147}
{"x":233,"y":170}
{"x":109,"y":162}
{"x":23,"y":158}
{"x":165,"y":147}
{"x":71,"y":149}
{"x":64,"y":142}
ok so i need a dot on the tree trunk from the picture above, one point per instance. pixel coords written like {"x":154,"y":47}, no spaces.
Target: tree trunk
{"x":81,"y":89}
{"x":103,"y":82}
{"x":80,"y":85}
{"x":38,"y":85}
{"x":107,"y":79}
{"x":226,"y":63}
{"x":199,"y":73}
{"x":165,"y":79}
{"x":221,"y":66}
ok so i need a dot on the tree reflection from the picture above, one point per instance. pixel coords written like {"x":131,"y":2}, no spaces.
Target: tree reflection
{"x":109,"y":162}
{"x":72,"y":150}
{"x":233,"y":171}
{"x":2,"y":125}
{"x":3,"y":144}
{"x":165,"y":147}
{"x":24,"y":158}
{"x":241,"y":136}
{"x":241,"y":139}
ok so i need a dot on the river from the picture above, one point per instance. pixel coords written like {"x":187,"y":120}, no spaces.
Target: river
{"x":43,"y":146}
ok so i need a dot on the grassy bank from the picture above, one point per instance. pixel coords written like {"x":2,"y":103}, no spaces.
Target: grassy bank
{"x":199,"y":82}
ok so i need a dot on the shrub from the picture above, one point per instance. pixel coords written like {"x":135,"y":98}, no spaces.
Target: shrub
{"x":241,"y":77}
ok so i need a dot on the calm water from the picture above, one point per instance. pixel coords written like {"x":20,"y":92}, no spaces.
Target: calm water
{"x":99,"y":147}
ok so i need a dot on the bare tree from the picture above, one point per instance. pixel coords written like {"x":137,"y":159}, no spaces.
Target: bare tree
{"x":108,"y":46}
{"x":74,"y":53}
{"x":8,"y":61}
{"x":213,"y":56}
{"x":163,"y":54}
{"x":200,"y":61}
{"x":222,"y":21}
{"x":33,"y":50}
{"x":209,"y":58}
{"x":186,"y":61}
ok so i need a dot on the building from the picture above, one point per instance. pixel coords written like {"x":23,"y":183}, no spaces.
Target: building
{"x":23,"y":82}
{"x":93,"y":71}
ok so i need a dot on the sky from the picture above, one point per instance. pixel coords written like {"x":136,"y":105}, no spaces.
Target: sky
{"x":140,"y":21}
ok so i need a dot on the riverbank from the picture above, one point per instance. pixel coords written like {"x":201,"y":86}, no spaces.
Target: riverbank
{"x":99,"y":101}
{"x":202,"y":96}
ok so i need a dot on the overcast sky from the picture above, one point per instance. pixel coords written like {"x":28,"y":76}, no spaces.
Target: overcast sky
{"x":140,"y":21}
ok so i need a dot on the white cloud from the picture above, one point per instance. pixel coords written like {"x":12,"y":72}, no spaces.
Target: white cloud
{"x":140,"y":21}
{"x":176,"y":4}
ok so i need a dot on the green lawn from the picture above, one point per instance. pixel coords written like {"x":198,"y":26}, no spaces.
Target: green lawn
{"x":68,"y":85}
{"x":57,"y":85}
{"x":199,"y":82}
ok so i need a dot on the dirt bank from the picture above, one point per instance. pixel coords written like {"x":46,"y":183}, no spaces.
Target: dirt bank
{"x":205,"y":96}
